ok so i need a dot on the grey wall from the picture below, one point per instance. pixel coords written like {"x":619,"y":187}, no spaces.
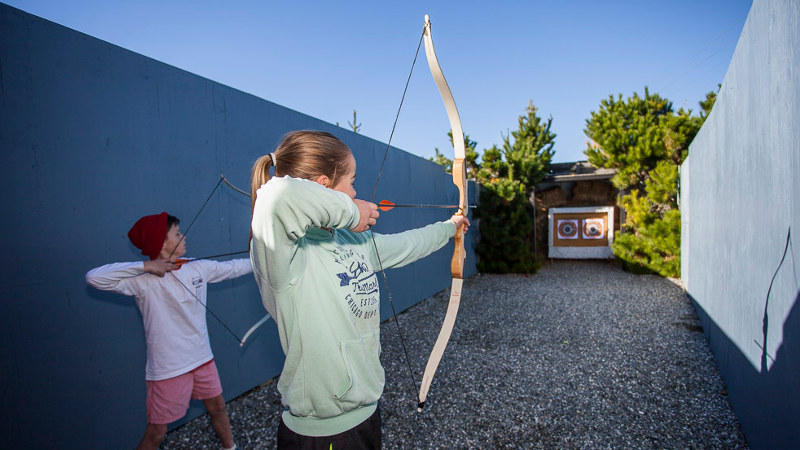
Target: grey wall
{"x":92,"y":137}
{"x":740,"y":197}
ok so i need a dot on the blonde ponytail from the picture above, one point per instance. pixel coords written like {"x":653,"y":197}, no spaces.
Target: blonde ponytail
{"x":259,"y":176}
{"x":303,"y":154}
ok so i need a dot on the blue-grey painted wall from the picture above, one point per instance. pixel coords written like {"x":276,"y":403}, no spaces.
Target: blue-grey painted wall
{"x":740,"y":197}
{"x":93,"y":136}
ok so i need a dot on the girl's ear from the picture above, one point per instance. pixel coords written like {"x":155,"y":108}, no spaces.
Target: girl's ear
{"x":323,"y":180}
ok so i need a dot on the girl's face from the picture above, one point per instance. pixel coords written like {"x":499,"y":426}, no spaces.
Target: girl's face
{"x":346,"y":182}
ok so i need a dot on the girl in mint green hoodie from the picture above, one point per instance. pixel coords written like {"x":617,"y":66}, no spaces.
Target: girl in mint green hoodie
{"x":315,"y":265}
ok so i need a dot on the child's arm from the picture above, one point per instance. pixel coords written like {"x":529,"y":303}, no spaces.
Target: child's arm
{"x":397,"y":250}
{"x":217,"y":271}
{"x":113,"y":277}
{"x":287,"y":207}
{"x":117,"y":277}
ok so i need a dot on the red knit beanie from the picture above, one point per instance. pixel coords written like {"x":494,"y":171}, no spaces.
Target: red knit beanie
{"x":149,"y":233}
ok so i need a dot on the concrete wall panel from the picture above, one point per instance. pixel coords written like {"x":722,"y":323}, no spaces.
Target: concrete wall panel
{"x":739,"y":202}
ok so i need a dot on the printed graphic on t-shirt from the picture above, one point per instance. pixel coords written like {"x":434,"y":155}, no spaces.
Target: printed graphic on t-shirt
{"x":197,"y":282}
{"x":359,"y":282}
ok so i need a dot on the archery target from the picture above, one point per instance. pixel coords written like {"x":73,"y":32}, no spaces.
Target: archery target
{"x":594,"y":229}
{"x":581,"y":232}
{"x":568,"y":229}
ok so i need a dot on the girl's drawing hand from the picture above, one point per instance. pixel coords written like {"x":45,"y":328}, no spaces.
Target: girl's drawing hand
{"x":368,"y":215}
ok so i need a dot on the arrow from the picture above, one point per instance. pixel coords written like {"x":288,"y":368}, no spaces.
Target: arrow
{"x":386,"y":205}
{"x":181,"y":261}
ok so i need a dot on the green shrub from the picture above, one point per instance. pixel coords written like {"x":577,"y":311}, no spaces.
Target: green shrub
{"x":506,"y":229}
{"x":654,"y":248}
{"x":653,"y":240}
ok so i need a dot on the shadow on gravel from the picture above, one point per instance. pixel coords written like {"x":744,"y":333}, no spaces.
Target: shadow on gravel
{"x":769,"y":412}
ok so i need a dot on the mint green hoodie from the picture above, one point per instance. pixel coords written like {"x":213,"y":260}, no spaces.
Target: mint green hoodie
{"x":321,"y":287}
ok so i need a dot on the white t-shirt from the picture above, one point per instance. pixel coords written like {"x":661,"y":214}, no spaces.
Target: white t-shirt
{"x":174,"y":318}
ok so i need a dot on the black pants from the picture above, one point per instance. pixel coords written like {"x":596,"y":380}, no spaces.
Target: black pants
{"x":364,"y":436}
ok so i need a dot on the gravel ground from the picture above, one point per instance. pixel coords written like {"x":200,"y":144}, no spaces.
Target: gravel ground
{"x":580,"y":355}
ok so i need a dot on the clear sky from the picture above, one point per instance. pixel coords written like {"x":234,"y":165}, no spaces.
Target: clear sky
{"x":327,"y":58}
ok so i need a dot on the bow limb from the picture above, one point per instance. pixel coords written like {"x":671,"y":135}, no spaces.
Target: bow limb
{"x":460,"y":180}
{"x":253,"y":328}
{"x":174,"y":277}
{"x":183,"y":261}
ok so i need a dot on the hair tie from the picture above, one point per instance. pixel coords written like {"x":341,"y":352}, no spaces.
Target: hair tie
{"x":272,"y":157}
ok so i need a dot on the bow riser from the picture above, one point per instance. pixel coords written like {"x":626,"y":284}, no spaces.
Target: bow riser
{"x":459,"y":253}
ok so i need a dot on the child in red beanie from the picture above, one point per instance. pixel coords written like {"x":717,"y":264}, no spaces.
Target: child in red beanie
{"x":180,"y":364}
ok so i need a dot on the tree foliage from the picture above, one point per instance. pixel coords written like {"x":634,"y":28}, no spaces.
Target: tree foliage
{"x":471,"y":156}
{"x":708,"y":103}
{"x":354,"y":125}
{"x":506,"y":228}
{"x":646,"y":141}
{"x":628,"y":135}
{"x":529,"y":155}
{"x":507,"y":176}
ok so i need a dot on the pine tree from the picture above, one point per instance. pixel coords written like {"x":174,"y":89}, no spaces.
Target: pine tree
{"x":645,"y":140}
{"x":507,"y":177}
{"x":628,"y":135}
{"x":354,"y":124}
{"x":531,"y":152}
{"x":470,"y":157}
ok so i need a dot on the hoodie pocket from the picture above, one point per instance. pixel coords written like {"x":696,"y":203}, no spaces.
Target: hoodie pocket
{"x":362,"y":360}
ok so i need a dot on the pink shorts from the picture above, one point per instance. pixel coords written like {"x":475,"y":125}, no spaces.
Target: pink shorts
{"x":168,"y":400}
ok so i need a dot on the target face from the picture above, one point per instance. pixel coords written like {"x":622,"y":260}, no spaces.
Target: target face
{"x":581,"y":229}
{"x":568,"y":229}
{"x":594,"y":229}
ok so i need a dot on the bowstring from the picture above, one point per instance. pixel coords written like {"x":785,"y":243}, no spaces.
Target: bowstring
{"x":207,"y":308}
{"x":189,"y":228}
{"x":397,"y":116}
{"x":181,"y":283}
{"x":372,"y":200}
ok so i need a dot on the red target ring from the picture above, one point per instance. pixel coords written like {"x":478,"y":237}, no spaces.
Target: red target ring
{"x":568,"y":229}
